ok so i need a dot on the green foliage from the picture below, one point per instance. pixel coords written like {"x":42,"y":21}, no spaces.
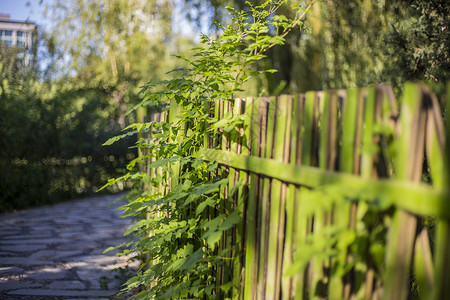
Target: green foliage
{"x":178,"y":222}
{"x":420,"y":43}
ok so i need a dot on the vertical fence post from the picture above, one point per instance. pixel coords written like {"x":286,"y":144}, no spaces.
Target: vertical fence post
{"x":367,"y":171}
{"x":251,"y":266}
{"x":266,"y":116}
{"x":239,"y":255}
{"x":141,"y":114}
{"x":292,"y":144}
{"x":442,"y":256}
{"x":408,"y":166}
{"x":308,"y":133}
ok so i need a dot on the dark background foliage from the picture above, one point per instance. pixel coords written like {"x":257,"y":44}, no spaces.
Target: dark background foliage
{"x":358,"y":43}
{"x":49,"y":141}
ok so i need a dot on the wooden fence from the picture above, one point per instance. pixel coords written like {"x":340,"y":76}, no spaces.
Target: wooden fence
{"x":342,"y":196}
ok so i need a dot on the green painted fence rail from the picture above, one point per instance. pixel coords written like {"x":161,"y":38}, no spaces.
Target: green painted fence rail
{"x":343,"y":194}
{"x":423,"y":200}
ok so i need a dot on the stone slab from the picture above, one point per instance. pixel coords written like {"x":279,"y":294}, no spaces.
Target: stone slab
{"x":78,"y":245}
{"x":63,"y":293}
{"x":101,"y":278}
{"x":69,"y":234}
{"x":35,"y":241}
{"x":53,"y":254}
{"x":42,"y":229}
{"x":99,"y":260}
{"x":10,"y":270}
{"x":15,"y":284}
{"x":67,"y":285}
{"x":9,"y":230}
{"x":46,"y":274}
{"x":22,"y":248}
{"x":26,"y":236}
{"x":87,"y":299}
{"x":22,"y":261}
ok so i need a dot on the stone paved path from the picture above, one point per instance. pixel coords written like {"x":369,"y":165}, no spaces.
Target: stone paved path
{"x":55,"y":252}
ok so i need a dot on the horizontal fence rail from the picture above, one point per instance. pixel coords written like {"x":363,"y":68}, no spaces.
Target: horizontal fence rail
{"x":343,"y":194}
{"x":423,"y":200}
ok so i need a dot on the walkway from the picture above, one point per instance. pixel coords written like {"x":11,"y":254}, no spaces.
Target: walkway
{"x":55,"y":252}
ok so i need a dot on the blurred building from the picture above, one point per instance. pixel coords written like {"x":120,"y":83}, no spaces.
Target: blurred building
{"x":17,"y":33}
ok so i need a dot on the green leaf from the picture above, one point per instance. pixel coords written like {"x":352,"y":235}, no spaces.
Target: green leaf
{"x":109,"y":249}
{"x":192,"y":260}
{"x":214,"y":223}
{"x":208,"y":202}
{"x":231,"y":220}
{"x":213,"y":238}
{"x":227,"y":286}
{"x":119,"y":137}
{"x":163,"y":162}
{"x":212,"y":167}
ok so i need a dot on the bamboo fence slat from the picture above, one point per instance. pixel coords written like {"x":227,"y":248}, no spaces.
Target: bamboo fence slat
{"x":442,"y":257}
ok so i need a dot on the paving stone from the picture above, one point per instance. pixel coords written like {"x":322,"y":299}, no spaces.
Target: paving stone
{"x":10,"y":233}
{"x":23,"y":236}
{"x":67,"y":285}
{"x":5,"y":230}
{"x":35,"y":241}
{"x":22,"y":248}
{"x":69,"y":234}
{"x":98,"y":280}
{"x":53,"y":254}
{"x":67,"y":231}
{"x":46,"y":274}
{"x":22,"y":261}
{"x":97,"y":276}
{"x":43,"y":254}
{"x":98,"y":260}
{"x":40,"y":221}
{"x":43,"y":229}
{"x":10,"y":270}
{"x":15,"y":284}
{"x":62,"y":293}
{"x":78,"y":245}
{"x":87,"y":299}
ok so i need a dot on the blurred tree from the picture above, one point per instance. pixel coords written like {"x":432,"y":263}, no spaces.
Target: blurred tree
{"x":113,"y":46}
{"x":420,"y":42}
{"x":365,"y":42}
{"x":24,"y":133}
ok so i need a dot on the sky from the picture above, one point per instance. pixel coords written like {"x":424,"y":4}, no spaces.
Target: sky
{"x":18,"y":10}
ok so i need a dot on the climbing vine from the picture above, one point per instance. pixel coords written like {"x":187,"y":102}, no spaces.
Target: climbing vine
{"x":177,"y":237}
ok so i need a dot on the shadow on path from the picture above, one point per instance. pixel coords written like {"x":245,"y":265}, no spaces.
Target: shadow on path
{"x":55,"y":252}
